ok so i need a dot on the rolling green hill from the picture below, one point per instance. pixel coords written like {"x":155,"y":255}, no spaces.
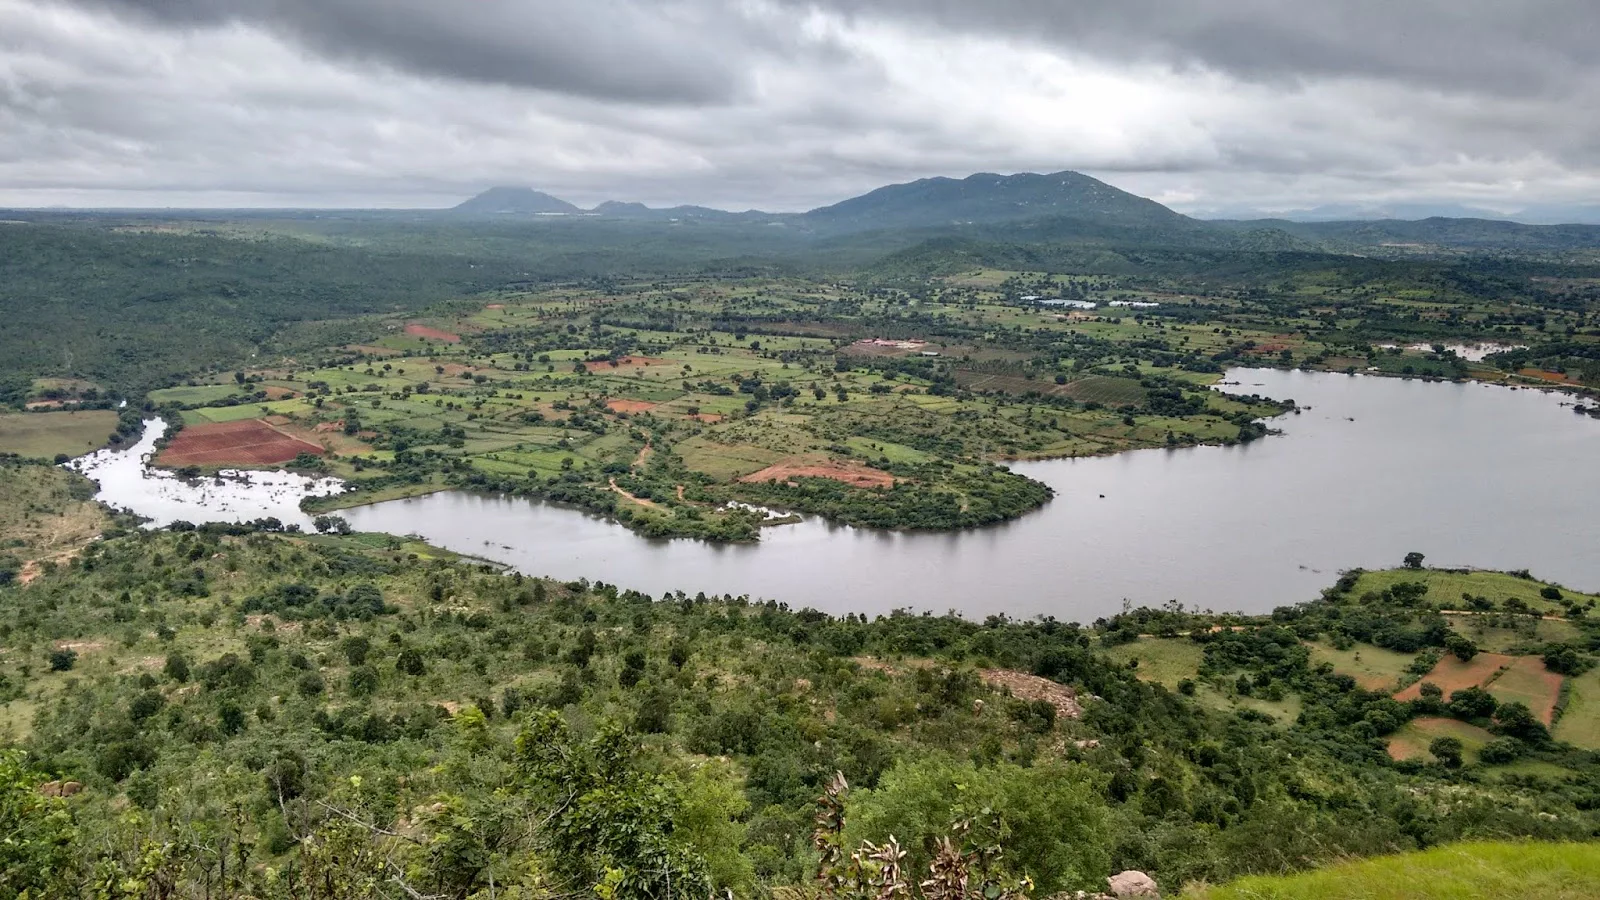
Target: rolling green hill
{"x":987,"y":198}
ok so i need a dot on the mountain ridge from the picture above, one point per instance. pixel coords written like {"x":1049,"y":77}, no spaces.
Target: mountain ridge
{"x":1057,"y":206}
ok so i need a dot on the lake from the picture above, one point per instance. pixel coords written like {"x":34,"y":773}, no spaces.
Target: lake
{"x":1469,"y":474}
{"x":1373,"y":468}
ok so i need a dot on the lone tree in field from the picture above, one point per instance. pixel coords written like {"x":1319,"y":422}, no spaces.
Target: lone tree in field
{"x":1447,"y":750}
{"x":1414,"y":560}
{"x":1462,"y":646}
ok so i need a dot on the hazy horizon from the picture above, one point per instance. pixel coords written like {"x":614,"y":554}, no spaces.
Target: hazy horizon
{"x":1220,"y":107}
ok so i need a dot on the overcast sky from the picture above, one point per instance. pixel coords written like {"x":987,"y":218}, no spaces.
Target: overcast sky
{"x":1207,"y":105}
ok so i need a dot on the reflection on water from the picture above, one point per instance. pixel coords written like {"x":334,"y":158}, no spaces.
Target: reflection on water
{"x":1373,"y":468}
{"x":1469,"y":474}
{"x":128,"y":482}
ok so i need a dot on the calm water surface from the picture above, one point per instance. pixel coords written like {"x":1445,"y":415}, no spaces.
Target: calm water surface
{"x":1469,"y":474}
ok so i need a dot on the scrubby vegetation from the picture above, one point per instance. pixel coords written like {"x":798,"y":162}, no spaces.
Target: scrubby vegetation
{"x":258,"y":714}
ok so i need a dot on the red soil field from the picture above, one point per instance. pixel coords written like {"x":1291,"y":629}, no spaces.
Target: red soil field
{"x":274,"y":392}
{"x":849,"y":473}
{"x":1452,"y":674}
{"x":1542,"y":375}
{"x":424,"y":331}
{"x":629,"y":406}
{"x":250,"y":442}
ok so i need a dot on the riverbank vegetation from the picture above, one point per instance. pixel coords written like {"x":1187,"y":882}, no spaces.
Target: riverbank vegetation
{"x":207,"y":711}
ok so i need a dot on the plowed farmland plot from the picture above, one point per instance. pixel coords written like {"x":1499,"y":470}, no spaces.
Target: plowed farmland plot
{"x":425,"y":331}
{"x":1452,"y":674}
{"x":251,"y":442}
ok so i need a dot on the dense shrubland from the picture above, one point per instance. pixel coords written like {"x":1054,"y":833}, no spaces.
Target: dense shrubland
{"x":322,"y":716}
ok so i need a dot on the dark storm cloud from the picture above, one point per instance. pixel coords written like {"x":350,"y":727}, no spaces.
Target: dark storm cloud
{"x":785,"y":104}
{"x":693,"y":50}
{"x":613,"y":49}
{"x":1495,"y":46}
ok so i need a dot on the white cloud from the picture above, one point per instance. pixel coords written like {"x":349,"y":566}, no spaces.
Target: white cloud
{"x":818,"y":105}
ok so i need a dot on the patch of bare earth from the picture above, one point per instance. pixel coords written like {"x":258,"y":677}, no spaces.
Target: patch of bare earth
{"x":1451,"y":674}
{"x":853,"y":474}
{"x":244,"y":443}
{"x":629,"y":406}
{"x":1031,"y":687}
{"x":424,"y":331}
{"x":649,"y":504}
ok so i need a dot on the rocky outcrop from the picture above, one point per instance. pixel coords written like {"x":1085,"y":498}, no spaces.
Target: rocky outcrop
{"x":1132,"y":884}
{"x":60,"y":788}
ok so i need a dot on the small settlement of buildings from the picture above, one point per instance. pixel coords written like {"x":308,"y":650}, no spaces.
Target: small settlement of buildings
{"x":1135,"y":304}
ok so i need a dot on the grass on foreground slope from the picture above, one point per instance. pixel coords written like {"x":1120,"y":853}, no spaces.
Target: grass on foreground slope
{"x":1470,"y":871}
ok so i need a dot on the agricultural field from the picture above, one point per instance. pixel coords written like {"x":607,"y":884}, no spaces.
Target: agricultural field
{"x":45,"y":435}
{"x":1507,"y":633}
{"x":660,"y":403}
{"x":1244,"y":666}
{"x":1580,"y":720}
{"x":1451,"y":588}
{"x":1451,"y":674}
{"x":1527,"y":681}
{"x":1165,"y":661}
{"x":250,"y":442}
{"x":1373,"y":668}
{"x":1411,"y":742}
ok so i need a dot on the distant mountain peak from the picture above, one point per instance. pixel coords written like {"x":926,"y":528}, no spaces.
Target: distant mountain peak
{"x":987,"y":197}
{"x":515,"y":201}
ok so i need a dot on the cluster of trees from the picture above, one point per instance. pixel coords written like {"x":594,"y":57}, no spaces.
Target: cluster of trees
{"x":952,"y":498}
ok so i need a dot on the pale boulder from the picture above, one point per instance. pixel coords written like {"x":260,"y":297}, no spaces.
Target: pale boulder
{"x":1132,"y":884}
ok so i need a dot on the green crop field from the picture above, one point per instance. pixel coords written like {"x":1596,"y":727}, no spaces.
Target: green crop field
{"x":1447,"y":587}
{"x":1528,"y":681}
{"x":1162,"y":660}
{"x":1510,"y":634}
{"x":46,"y":435}
{"x":1411,"y":742}
{"x":1373,"y":668}
{"x":1580,"y":720}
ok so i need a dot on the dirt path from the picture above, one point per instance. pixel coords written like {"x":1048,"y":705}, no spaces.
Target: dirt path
{"x":644,"y":456}
{"x":680,"y":494}
{"x":1496,"y":612}
{"x":648,"y":504}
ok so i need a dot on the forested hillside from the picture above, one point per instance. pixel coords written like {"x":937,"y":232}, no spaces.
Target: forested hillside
{"x":129,"y":307}
{"x":229,"y":713}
